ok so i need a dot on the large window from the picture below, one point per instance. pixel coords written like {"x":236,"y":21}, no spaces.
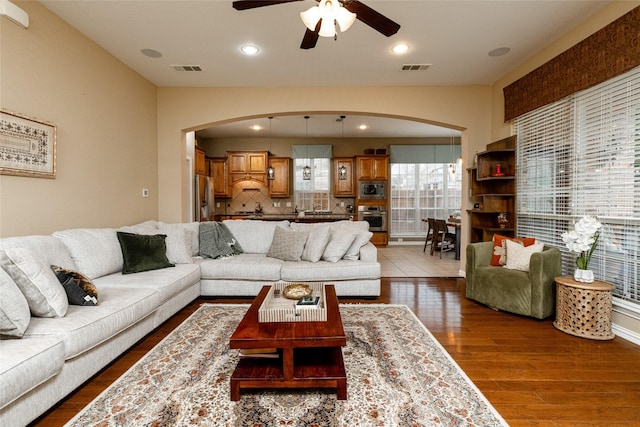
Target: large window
{"x":420,"y":191}
{"x":578,"y":156}
{"x":312,"y":194}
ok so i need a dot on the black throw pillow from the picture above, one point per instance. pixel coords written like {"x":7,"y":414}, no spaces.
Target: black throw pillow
{"x":79,"y":288}
{"x":142,"y":252}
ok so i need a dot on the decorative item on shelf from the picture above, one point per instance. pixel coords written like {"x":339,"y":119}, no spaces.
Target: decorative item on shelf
{"x":498,"y":170}
{"x":475,"y":159}
{"x":583,"y":240}
{"x":503,"y":221}
{"x":369,"y":151}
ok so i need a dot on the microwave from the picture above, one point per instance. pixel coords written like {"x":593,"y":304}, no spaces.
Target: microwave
{"x":372,"y":190}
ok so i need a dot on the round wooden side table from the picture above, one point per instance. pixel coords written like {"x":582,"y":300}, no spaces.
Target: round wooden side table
{"x":584,"y":309}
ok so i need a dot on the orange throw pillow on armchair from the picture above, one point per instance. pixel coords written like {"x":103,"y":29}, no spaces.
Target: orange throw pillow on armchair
{"x":499,"y":257}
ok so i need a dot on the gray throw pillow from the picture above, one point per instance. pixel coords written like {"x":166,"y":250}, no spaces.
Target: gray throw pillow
{"x":287,"y":245}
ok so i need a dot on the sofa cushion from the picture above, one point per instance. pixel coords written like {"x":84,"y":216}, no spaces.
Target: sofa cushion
{"x":44,"y":294}
{"x":361,"y":239}
{"x":254,"y":236}
{"x":325,"y":271}
{"x":141,"y":252}
{"x":192,"y":230}
{"x":180,"y":242}
{"x":27,"y":363}
{"x":14,"y":309}
{"x":47,"y":249}
{"x":78,"y":287}
{"x":166,"y":283}
{"x":85,"y":327}
{"x":287,"y":244}
{"x":95,"y":251}
{"x":242,"y":267}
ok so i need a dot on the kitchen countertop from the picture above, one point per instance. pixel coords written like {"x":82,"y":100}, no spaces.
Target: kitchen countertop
{"x":308,"y":217}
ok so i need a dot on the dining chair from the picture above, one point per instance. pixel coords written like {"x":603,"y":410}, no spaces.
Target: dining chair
{"x":442,"y":237}
{"x":431,"y":224}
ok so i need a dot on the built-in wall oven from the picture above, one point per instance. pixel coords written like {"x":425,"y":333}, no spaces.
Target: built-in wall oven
{"x":376,"y":216}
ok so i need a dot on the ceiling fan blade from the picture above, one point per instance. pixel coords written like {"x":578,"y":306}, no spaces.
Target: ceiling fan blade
{"x":374,"y":19}
{"x":311,"y":37}
{"x":252,"y":4}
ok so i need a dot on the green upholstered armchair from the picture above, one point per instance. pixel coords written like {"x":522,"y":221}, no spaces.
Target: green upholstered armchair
{"x":528,"y":293}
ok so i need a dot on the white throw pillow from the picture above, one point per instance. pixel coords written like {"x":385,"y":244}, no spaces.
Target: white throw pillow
{"x":14,"y":309}
{"x":40,"y":286}
{"x":338,"y":245}
{"x":362,"y":238}
{"x":316,"y":243}
{"x":287,"y":244}
{"x":519,"y":256}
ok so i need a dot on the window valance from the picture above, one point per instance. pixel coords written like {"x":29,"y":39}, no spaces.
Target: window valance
{"x":311,"y":151}
{"x":423,"y":153}
{"x":613,"y":50}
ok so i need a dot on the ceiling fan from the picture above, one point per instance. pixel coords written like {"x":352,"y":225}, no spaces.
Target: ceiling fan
{"x":334,"y":12}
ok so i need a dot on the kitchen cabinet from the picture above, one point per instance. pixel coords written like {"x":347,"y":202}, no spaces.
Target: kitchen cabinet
{"x":493,"y":190}
{"x":243,"y":165}
{"x":380,"y":238}
{"x":344,"y":187}
{"x":218,"y":170}
{"x":280,"y":186}
{"x":372,"y":168}
{"x":200,"y":167}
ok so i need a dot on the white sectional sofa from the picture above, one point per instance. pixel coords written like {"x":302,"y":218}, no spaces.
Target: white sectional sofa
{"x":55,"y":355}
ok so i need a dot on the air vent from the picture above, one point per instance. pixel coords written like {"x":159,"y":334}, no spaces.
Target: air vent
{"x":186,"y":67}
{"x":415,"y":67}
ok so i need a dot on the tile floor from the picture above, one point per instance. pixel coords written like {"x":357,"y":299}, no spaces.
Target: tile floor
{"x":410,"y":261}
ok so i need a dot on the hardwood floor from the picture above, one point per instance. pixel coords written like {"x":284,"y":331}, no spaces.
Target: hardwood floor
{"x":533,"y":374}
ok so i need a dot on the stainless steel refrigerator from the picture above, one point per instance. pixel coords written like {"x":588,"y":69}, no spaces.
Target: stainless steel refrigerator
{"x":204,"y":199}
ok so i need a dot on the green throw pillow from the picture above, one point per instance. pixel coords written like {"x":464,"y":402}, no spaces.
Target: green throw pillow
{"x":142,"y":252}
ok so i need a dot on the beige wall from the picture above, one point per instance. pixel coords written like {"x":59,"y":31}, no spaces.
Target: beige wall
{"x":106,"y":129}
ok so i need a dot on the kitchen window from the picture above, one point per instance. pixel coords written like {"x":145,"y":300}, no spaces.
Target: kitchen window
{"x":312,"y":194}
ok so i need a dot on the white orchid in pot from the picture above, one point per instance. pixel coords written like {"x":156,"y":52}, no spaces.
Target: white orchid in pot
{"x":583,"y":240}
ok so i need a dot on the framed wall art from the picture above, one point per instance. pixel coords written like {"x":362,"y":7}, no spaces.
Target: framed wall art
{"x":27,"y":146}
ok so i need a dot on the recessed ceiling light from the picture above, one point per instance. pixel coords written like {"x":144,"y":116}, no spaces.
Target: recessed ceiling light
{"x":256,"y":127}
{"x":250,"y":49}
{"x":499,"y":51}
{"x":151,"y":53}
{"x":362,"y":127}
{"x":400,"y":48}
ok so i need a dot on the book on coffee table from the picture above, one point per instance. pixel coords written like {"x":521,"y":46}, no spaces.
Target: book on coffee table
{"x":308,"y":302}
{"x":259,"y":353}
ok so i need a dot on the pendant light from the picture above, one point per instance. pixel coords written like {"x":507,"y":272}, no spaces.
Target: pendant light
{"x":306,"y":171}
{"x":342,"y":170}
{"x":452,"y":167}
{"x":271,"y":172}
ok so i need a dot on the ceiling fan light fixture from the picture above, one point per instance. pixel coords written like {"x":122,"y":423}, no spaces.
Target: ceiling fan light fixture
{"x":331,"y":12}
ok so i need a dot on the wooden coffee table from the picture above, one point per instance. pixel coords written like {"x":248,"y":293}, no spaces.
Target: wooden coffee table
{"x":310,"y":352}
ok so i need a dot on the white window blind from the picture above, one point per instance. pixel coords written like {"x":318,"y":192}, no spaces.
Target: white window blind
{"x":578,"y":156}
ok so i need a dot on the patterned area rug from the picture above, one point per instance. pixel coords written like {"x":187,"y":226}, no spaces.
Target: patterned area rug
{"x":397,"y":375}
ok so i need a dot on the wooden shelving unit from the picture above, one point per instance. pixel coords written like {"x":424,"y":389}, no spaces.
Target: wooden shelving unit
{"x":493,"y":190}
